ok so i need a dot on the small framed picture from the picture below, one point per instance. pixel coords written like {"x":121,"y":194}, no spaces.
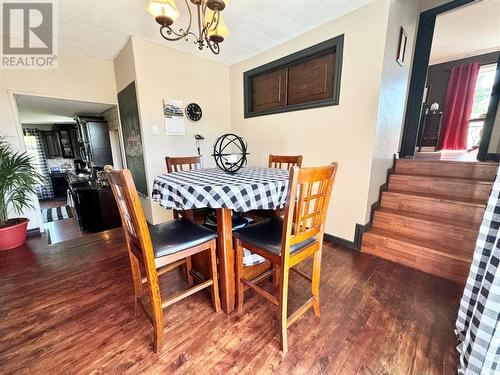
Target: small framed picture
{"x":403,"y":37}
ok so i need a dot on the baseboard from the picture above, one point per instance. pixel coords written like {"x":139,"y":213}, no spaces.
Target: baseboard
{"x":354,"y":245}
{"x":360,"y":228}
{"x":33,"y":232}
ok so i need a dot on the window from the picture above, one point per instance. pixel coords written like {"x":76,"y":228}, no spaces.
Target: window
{"x":485,"y":79}
{"x":306,"y":79}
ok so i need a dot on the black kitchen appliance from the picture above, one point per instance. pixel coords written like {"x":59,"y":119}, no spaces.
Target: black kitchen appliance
{"x":93,"y":139}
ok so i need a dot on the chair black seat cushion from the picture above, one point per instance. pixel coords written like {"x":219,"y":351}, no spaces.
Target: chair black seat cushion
{"x":177,"y":235}
{"x":267,"y":235}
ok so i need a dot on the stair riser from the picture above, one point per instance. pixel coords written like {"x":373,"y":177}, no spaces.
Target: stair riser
{"x":416,"y":257}
{"x":441,"y":234}
{"x":416,"y":184}
{"x":464,"y":170}
{"x":435,"y":208}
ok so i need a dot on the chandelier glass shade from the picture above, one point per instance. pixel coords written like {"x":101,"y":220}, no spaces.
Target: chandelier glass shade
{"x":206,"y":14}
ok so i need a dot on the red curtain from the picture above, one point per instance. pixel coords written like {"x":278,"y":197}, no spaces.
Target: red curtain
{"x":458,"y":106}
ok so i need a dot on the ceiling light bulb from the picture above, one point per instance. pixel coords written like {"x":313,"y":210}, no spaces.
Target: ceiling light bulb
{"x":217,"y":34}
{"x":164,"y":10}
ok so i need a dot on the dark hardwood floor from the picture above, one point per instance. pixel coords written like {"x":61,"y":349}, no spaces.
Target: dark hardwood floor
{"x":68,"y":308}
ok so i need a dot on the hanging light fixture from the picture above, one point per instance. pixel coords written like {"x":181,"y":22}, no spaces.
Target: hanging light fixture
{"x":211,"y":27}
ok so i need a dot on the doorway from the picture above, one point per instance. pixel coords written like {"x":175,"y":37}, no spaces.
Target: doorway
{"x":453,"y":97}
{"x":56,"y":135}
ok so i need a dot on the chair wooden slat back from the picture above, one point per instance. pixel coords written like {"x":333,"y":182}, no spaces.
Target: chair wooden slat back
{"x":133,"y":220}
{"x":278,"y":161}
{"x":177,"y":164}
{"x":307,"y":203}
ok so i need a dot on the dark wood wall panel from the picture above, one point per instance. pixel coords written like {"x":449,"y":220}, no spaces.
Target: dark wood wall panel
{"x":269,"y":90}
{"x":311,"y":80}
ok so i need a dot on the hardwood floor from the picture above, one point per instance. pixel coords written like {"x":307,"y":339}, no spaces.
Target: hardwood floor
{"x":68,"y":308}
{"x":448,"y":155}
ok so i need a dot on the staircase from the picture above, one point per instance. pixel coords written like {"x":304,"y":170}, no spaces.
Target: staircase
{"x":430,"y":215}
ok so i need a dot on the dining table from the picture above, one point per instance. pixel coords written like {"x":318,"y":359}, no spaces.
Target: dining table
{"x":245,"y":190}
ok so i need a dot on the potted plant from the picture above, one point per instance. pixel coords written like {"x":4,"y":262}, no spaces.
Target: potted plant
{"x":18,"y":179}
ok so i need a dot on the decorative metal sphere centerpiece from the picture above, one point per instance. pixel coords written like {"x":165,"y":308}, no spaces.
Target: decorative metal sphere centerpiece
{"x":230,"y":153}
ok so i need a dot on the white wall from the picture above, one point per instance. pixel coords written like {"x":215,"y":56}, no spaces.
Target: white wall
{"x":161,"y":72}
{"x":343,"y":133}
{"x":393,"y":92}
{"x":77,"y":77}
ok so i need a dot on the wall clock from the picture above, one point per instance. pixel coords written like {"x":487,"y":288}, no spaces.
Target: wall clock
{"x":193,"y":112}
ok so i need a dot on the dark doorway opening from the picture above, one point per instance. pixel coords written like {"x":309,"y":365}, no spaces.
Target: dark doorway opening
{"x":418,"y":107}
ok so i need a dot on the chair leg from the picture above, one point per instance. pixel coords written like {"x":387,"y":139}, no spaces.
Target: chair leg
{"x":315,"y":282}
{"x":136,"y":275}
{"x":282,"y":308}
{"x":189,"y":266}
{"x":240,"y":288}
{"x":276,"y":275}
{"x":215,"y":286}
{"x":156,"y":314}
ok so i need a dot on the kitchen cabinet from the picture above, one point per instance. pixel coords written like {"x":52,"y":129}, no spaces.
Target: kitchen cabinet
{"x":66,"y":144}
{"x":59,"y":184}
{"x":95,"y":207}
{"x":51,"y":144}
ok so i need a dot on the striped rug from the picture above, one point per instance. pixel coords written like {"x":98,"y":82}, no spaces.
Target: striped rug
{"x":56,"y":213}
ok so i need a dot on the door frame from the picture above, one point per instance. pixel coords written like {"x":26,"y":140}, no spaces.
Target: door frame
{"x":489,"y":121}
{"x":423,"y":44}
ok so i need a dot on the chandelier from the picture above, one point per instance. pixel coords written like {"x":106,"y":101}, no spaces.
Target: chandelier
{"x":211,"y":27}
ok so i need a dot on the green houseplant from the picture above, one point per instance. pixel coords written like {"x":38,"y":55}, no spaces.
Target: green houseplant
{"x":18,"y":179}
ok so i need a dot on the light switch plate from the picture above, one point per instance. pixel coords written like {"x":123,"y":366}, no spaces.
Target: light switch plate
{"x":156,"y":130}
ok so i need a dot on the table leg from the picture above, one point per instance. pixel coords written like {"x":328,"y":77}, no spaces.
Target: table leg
{"x":226,"y":258}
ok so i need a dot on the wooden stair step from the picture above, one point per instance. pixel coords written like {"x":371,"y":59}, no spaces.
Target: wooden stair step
{"x":442,"y":231}
{"x":467,"y":210}
{"x":445,"y":186}
{"x":442,"y":220}
{"x":460,"y":169}
{"x":446,"y":262}
{"x":447,"y":251}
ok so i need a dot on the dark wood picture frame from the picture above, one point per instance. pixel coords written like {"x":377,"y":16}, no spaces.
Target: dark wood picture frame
{"x":403,"y":41}
{"x":334,"y":44}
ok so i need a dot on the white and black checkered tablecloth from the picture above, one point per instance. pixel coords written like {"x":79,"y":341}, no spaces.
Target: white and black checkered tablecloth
{"x":248,"y":189}
{"x":478,"y":321}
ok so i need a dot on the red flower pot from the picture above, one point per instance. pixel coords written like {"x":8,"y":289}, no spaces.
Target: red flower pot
{"x":13,"y":235}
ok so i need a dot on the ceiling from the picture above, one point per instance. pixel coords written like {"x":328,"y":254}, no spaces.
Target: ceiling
{"x":42,"y":110}
{"x":467,"y":31}
{"x":101,"y":28}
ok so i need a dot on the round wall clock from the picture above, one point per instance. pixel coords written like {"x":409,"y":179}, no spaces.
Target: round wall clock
{"x":193,"y":112}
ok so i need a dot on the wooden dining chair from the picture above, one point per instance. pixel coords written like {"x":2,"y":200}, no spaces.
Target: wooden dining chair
{"x":158,"y":249}
{"x":287,"y":242}
{"x":182,"y":163}
{"x":186,"y":163}
{"x":205,"y":216}
{"x":279,"y":161}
